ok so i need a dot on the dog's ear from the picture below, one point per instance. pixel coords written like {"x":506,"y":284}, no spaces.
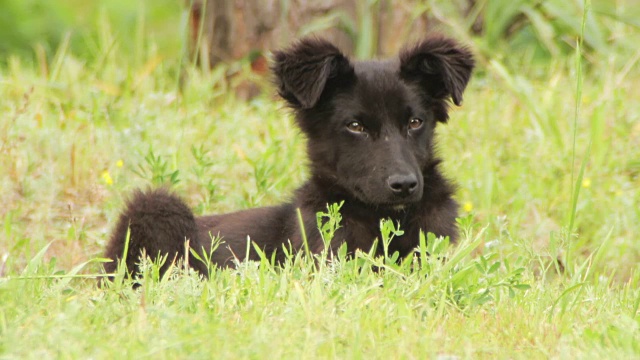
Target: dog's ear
{"x":439,"y":65}
{"x":304,"y":70}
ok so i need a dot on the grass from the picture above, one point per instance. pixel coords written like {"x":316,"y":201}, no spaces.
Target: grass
{"x":535,"y":276}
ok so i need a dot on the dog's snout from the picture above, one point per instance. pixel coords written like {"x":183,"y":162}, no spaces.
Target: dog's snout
{"x":403,"y":185}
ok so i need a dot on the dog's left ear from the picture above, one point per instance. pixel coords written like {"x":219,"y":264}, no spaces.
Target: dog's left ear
{"x":439,"y":65}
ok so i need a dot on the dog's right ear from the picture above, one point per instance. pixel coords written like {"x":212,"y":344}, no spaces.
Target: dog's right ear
{"x":304,"y":70}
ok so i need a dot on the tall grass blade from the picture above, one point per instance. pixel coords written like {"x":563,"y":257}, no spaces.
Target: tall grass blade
{"x":303,"y":232}
{"x":575,"y":183}
{"x":34,"y":264}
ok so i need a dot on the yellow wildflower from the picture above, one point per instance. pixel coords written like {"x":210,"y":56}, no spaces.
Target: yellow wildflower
{"x":586,"y":183}
{"x":120,"y":163}
{"x":107,"y":177}
{"x":467,"y":207}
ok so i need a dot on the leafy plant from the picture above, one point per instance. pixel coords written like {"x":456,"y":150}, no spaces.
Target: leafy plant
{"x":204,"y":178}
{"x":156,"y":170}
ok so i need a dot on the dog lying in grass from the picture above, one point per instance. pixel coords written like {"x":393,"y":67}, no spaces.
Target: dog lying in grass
{"x":370,"y":130}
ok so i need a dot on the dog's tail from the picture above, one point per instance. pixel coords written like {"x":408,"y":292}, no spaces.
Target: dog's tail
{"x":158,"y":223}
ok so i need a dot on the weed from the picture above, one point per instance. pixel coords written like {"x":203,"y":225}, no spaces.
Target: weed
{"x":156,"y":170}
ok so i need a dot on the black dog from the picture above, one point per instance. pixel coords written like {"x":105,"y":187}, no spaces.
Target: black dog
{"x":370,"y":128}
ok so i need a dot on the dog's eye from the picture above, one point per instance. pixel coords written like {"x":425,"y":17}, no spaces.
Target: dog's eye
{"x":355,"y":126}
{"x":415,"y":123}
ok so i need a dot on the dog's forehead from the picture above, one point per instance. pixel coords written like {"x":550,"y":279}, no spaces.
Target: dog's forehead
{"x":380,"y":85}
{"x":385,"y":71}
{"x":374,"y":65}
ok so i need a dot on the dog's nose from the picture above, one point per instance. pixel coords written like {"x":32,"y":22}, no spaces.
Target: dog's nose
{"x":403,"y":185}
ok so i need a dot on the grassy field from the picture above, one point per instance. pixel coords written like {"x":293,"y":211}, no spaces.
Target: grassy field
{"x":546,"y":156}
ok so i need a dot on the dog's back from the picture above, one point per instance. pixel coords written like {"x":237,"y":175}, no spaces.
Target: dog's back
{"x":370,"y":129}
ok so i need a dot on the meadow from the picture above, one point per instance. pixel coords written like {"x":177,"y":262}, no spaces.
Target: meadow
{"x":546,"y":155}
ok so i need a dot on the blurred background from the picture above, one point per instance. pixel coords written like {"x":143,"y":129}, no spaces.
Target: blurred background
{"x":244,"y":29}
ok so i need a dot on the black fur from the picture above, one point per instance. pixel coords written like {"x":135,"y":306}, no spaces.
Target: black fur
{"x":370,"y":127}
{"x":157,"y":222}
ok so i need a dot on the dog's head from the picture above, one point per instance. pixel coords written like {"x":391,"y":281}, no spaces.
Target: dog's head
{"x":370,"y":124}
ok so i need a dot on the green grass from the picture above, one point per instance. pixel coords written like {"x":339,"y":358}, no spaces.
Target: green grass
{"x":533,"y":277}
